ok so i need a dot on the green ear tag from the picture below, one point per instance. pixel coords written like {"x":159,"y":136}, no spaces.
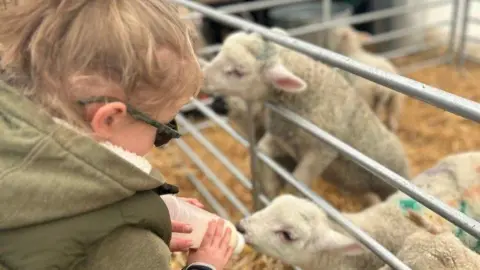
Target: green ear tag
{"x":407,"y":204}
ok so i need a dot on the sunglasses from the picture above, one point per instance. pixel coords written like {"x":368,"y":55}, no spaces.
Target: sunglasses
{"x":165,"y":132}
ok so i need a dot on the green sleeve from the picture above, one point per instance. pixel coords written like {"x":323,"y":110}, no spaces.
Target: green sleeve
{"x":127,"y":248}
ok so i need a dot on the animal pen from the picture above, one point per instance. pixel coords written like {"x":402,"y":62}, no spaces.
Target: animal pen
{"x":218,"y":164}
{"x":213,"y":161}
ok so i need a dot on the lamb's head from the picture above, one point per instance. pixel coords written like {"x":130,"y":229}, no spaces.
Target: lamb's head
{"x":249,"y":67}
{"x":296,"y":231}
{"x":346,"y":40}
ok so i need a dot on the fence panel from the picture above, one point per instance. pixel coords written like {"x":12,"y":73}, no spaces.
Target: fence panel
{"x":436,"y":97}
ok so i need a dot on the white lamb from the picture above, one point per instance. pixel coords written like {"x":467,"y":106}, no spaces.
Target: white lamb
{"x":237,"y":113}
{"x":251,"y":68}
{"x":435,"y":248}
{"x":348,"y":41}
{"x":298,"y":232}
{"x":426,"y":251}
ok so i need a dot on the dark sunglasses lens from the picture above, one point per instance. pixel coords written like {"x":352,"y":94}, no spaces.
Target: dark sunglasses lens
{"x":161,"y":139}
{"x":173,"y":125}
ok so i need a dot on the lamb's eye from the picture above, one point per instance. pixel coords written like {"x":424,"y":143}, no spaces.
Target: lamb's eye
{"x":286,"y":236}
{"x":234,"y":72}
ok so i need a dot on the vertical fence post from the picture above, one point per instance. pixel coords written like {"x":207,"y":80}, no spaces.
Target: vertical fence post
{"x":463,"y":34}
{"x":453,"y":31}
{"x":327,"y":14}
{"x":256,"y":184}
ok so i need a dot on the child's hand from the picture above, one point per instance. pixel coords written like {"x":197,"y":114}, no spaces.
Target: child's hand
{"x":180,"y":244}
{"x":214,"y":249}
{"x":193,"y":201}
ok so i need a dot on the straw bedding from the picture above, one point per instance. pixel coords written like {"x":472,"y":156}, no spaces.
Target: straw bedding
{"x":428,"y":134}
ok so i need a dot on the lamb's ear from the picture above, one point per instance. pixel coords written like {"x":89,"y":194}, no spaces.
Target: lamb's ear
{"x":282,"y":78}
{"x":335,"y":241}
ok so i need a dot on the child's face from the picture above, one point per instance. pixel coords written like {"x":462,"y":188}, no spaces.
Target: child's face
{"x":122,"y":125}
{"x":132,"y":129}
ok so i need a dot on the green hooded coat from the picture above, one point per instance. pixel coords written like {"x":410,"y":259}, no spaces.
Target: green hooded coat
{"x":67,"y":202}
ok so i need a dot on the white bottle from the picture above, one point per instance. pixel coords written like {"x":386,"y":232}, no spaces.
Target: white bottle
{"x":198,"y":218}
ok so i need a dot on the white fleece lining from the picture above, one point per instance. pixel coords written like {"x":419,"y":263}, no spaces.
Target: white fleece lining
{"x":132,"y":158}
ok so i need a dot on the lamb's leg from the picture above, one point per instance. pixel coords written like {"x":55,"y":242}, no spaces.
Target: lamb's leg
{"x":311,"y":166}
{"x":271,"y":184}
{"x":394,"y":107}
{"x":378,"y":103}
{"x":382,"y":102}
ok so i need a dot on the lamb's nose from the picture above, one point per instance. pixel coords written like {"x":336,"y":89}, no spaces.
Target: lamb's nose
{"x":240,"y":228}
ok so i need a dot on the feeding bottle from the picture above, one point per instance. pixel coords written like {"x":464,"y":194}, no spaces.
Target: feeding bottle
{"x":198,"y":218}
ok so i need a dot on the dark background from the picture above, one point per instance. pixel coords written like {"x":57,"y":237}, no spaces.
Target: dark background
{"x":214,"y":32}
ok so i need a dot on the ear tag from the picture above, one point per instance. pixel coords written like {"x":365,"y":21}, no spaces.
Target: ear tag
{"x":409,"y":204}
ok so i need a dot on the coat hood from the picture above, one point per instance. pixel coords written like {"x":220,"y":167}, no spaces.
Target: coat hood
{"x":49,"y":170}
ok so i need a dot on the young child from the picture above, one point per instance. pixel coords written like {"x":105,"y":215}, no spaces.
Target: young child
{"x":91,"y":87}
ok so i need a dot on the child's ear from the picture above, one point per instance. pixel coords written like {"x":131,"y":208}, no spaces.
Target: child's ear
{"x":282,"y":78}
{"x":335,"y":241}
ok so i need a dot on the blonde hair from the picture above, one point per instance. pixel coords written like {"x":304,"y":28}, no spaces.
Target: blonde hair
{"x":65,"y":50}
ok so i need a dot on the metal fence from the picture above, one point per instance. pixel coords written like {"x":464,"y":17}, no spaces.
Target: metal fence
{"x":436,"y":97}
{"x":373,"y":16}
{"x":469,"y":19}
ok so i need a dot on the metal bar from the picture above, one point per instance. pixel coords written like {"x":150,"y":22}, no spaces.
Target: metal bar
{"x":390,"y":177}
{"x":257,"y":186}
{"x":210,"y":49}
{"x":425,"y":64}
{"x":182,"y":121}
{"x":453,"y":29}
{"x":216,"y":206}
{"x":327,"y":14}
{"x":408,"y":50}
{"x":335,"y":215}
{"x":208,"y":112}
{"x":212,"y":177}
{"x":473,"y":39}
{"x":199,"y":126}
{"x":447,"y":101}
{"x":249,"y":6}
{"x":387,"y":36}
{"x":474,"y":20}
{"x":463,"y":35}
{"x":365,"y":17}
{"x":375,"y":39}
{"x":473,"y":59}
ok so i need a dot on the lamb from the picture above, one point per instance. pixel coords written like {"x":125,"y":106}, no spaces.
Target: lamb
{"x":304,"y":236}
{"x":426,"y":251}
{"x":347,"y":41}
{"x":237,"y":113}
{"x":256,"y":70}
